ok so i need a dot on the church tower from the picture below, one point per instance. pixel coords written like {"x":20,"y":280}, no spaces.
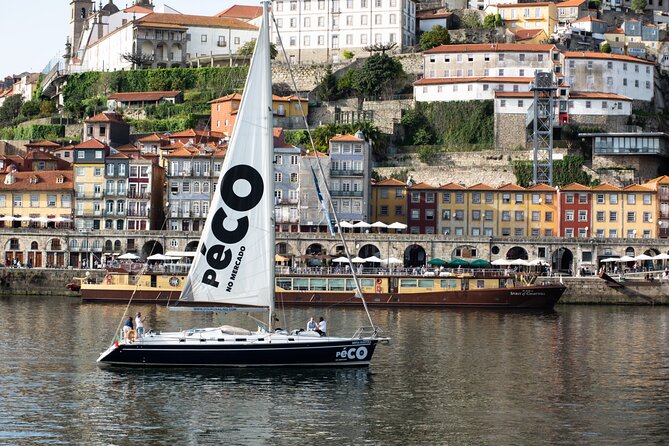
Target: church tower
{"x":80,"y":10}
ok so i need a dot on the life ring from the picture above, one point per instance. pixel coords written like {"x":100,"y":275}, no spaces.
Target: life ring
{"x":108,"y":279}
{"x":132,"y":335}
{"x":379,"y":281}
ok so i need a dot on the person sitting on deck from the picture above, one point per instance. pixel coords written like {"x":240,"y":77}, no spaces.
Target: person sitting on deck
{"x":322,"y":327}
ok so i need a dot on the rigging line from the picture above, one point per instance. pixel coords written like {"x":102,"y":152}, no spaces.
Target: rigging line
{"x":322,"y":172}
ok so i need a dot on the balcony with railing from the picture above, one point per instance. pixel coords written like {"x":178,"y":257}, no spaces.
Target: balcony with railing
{"x":139,"y":196}
{"x":346,"y":193}
{"x":136,"y":213}
{"x":347,"y":172}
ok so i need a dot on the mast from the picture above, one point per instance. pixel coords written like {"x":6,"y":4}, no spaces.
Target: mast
{"x":263,"y":38}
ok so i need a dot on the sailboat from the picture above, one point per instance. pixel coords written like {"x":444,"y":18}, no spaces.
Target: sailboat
{"x":234,"y":265}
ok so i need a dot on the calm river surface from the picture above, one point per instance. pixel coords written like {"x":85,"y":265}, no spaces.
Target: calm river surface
{"x":580,"y":375}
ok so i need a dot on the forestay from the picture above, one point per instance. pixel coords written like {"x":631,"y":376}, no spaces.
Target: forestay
{"x":235,"y":256}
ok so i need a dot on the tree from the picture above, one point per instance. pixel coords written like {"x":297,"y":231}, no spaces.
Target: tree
{"x":493,"y":21}
{"x":11,"y":108}
{"x":639,"y":5}
{"x":470,"y":19}
{"x":380,"y":47}
{"x":30,"y":108}
{"x":138,"y":59}
{"x":605,"y":48}
{"x":326,"y":90}
{"x":248,"y":47}
{"x":377,"y":76}
{"x":438,"y":35}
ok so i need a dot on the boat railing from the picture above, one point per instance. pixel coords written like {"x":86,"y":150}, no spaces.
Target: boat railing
{"x":367,"y":331}
{"x":380,"y":271}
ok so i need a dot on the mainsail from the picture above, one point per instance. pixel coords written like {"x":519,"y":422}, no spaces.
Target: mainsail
{"x":234,"y":263}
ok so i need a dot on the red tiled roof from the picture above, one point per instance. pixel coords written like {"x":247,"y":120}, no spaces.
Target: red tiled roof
{"x":481,"y":186}
{"x":192,"y":133}
{"x":138,"y":9}
{"x":154,"y":137}
{"x":511,"y":187}
{"x":241,"y":12}
{"x":389,"y":182}
{"x":605,"y":187}
{"x":46,"y":181}
{"x":452,"y":186}
{"x":106,"y":117}
{"x":432,"y":14}
{"x":635,"y":188}
{"x":491,"y":47}
{"x":605,"y":56}
{"x":144,"y":96}
{"x":575,"y":187}
{"x":466,"y":80}
{"x":91,"y":144}
{"x":592,"y":95}
{"x":525,"y":34}
{"x":570,"y":3}
{"x":349,"y":138}
{"x":542,"y":187}
{"x":42,"y":143}
{"x":275,"y":98}
{"x":421,"y":185}
{"x":195,"y":20}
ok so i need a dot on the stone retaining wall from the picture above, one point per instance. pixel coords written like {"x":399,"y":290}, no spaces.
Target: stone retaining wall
{"x":41,"y":282}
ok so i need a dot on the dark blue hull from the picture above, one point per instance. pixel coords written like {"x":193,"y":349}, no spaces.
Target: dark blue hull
{"x":336,"y":353}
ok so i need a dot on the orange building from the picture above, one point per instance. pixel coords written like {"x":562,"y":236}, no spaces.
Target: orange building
{"x":389,"y":201}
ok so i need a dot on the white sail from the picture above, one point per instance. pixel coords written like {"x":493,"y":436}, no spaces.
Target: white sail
{"x":234,"y":263}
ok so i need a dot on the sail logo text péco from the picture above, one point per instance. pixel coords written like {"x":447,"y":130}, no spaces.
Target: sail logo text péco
{"x":218,"y":256}
{"x":352,"y":353}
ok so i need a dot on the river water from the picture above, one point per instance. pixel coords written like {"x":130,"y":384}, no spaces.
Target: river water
{"x":582,"y":375}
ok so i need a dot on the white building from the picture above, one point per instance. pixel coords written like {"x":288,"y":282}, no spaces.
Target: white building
{"x":578,"y":104}
{"x":609,"y":73}
{"x":168,"y":39}
{"x":477,"y":71}
{"x":321,"y":30}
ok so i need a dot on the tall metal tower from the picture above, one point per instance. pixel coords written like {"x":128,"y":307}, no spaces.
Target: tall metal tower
{"x":543,"y":111}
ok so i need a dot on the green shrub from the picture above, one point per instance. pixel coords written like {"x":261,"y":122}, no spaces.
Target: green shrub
{"x":35,"y":131}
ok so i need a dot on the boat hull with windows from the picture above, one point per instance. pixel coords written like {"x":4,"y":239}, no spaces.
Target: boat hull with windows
{"x":483,"y":289}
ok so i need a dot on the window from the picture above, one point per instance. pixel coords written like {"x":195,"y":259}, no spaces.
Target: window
{"x":582,"y":215}
{"x":203,"y":38}
{"x":569,"y":216}
{"x":631,"y":217}
{"x":569,"y":198}
{"x":631,"y":198}
{"x":613,"y":216}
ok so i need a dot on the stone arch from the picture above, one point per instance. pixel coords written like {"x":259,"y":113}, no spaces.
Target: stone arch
{"x":109,"y":245}
{"x":517,"y":252}
{"x":282,"y":249}
{"x":338,"y":250}
{"x":191,"y":246}
{"x":562,"y":261}
{"x":147,"y":48}
{"x":629,"y":251}
{"x":117,"y":245}
{"x":34,"y":246}
{"x":315,"y":249}
{"x":465,"y":252}
{"x":150,"y":248}
{"x":414,"y":255}
{"x":369,"y":250}
{"x":161,"y":53}
{"x":55,"y":244}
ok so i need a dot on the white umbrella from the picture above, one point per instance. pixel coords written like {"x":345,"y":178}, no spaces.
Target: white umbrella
{"x":661,"y":256}
{"x":361,"y":224}
{"x":397,"y":225}
{"x":643,"y":257}
{"x":60,"y":219}
{"x":358,"y":260}
{"x":373,"y":259}
{"x":7,"y":218}
{"x":345,"y":224}
{"x":340,"y":260}
{"x":626,"y":259}
{"x":500,"y":262}
{"x":379,"y":224}
{"x":41,"y":219}
{"x":159,"y":257}
{"x":128,"y":256}
{"x":392,"y":261}
{"x":23,"y":219}
{"x":536,"y":262}
{"x":613,"y":259}
{"x":519,"y":262}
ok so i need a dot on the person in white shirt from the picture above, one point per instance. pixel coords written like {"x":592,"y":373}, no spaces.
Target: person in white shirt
{"x":322,"y":327}
{"x":139,"y":324}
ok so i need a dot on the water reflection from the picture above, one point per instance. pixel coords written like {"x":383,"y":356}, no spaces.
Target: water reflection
{"x":578,"y":375}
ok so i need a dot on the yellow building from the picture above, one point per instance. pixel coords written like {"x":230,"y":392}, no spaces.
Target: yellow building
{"x":607,"y":218}
{"x":452,"y":210}
{"x":89,"y":183}
{"x":660,"y":186}
{"x":482,"y":215}
{"x":638,"y":208}
{"x":542,"y":211}
{"x":36,"y":199}
{"x":389,"y":201}
{"x":540,"y":15}
{"x":512,"y":208}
